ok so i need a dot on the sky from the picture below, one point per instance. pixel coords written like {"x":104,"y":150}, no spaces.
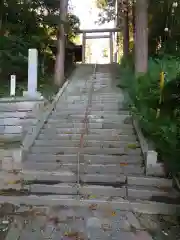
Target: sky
{"x":88,"y":15}
{"x":85,"y":10}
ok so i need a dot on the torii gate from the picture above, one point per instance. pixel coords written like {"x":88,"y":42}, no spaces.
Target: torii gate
{"x":111,"y":32}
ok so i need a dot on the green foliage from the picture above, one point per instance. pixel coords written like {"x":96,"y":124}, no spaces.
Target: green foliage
{"x":102,"y":4}
{"x":107,"y":10}
{"x":144,"y":93}
{"x":105,"y":52}
{"x":161,"y":15}
{"x":167,"y":17}
{"x":30,"y":24}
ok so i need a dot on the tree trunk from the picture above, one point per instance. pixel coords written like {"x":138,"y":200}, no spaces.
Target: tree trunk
{"x":59,"y":65}
{"x":133,"y":18}
{"x":1,"y":32}
{"x":141,"y":37}
{"x":126,"y":30}
{"x":1,"y":14}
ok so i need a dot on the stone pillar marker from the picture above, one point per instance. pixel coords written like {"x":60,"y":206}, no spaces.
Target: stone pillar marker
{"x":32,"y":72}
{"x":13,"y":86}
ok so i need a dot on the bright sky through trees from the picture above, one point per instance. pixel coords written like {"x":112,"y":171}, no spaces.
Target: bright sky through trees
{"x":88,"y":15}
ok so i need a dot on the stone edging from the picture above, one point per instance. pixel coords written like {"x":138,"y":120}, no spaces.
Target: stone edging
{"x":19,"y":99}
{"x":176,"y":181}
{"x":153,"y":168}
{"x":34,"y":131}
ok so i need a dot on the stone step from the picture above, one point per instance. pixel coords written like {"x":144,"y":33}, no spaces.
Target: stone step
{"x":97,"y":97}
{"x":152,"y":193}
{"x":11,"y":130}
{"x":59,"y":177}
{"x":107,"y":94}
{"x":146,"y":207}
{"x":82,"y":112}
{"x":87,"y":143}
{"x":83,"y":107}
{"x":11,"y":137}
{"x":98,"y":115}
{"x":108,"y":137}
{"x":9,"y":110}
{"x":17,"y":122}
{"x":150,"y":181}
{"x":93,"y":191}
{"x":73,"y":158}
{"x":112,"y":132}
{"x":66,"y":125}
{"x":94,"y":104}
{"x":86,"y":150}
{"x":90,"y":125}
{"x":134,"y":191}
{"x":22,"y":115}
{"x":119,"y":122}
{"x":21,"y":104}
{"x":94,"y":101}
{"x":89,"y":168}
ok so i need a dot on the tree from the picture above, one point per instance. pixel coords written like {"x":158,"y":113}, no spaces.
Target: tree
{"x":164,"y":36}
{"x":59,"y":67}
{"x":122,"y":16}
{"x":107,"y":10}
{"x":30,"y":24}
{"x":125,"y":10}
{"x":141,"y":37}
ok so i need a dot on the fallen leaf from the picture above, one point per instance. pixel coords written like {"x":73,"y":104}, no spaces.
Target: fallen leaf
{"x":132,"y":146}
{"x":123,"y":164}
{"x":13,"y":182}
{"x":93,"y":206}
{"x":113,"y":214}
{"x":92,"y":196}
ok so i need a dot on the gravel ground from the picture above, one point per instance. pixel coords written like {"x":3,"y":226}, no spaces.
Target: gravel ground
{"x":161,"y":227}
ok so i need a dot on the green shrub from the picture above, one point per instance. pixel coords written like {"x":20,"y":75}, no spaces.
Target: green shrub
{"x":144,"y":93}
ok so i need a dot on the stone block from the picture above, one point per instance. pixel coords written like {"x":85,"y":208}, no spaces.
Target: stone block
{"x":17,"y":155}
{"x":151,"y":158}
{"x":12,"y":159}
{"x":133,"y":221}
{"x":13,"y":130}
{"x":155,"y":170}
{"x":142,"y":235}
{"x":145,"y":193}
{"x":149,"y":154}
{"x":7,"y":163}
{"x":149,"y":181}
{"x":55,"y":189}
{"x":36,"y":95}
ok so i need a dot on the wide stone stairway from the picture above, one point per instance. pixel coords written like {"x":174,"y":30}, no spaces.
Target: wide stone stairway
{"x":84,"y":175}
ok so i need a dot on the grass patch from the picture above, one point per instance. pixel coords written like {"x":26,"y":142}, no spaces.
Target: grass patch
{"x":46,"y":86}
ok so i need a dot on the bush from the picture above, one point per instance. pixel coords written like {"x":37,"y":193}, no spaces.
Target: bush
{"x":144,"y":93}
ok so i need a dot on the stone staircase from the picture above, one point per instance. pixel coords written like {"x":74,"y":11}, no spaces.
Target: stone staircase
{"x":87,"y":155}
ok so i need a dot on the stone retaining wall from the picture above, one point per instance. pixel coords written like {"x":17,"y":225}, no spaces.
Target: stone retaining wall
{"x":16,"y":119}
